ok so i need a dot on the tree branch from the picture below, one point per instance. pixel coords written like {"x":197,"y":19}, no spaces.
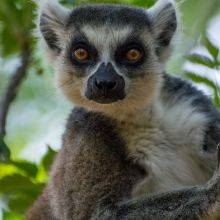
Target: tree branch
{"x":12,"y":87}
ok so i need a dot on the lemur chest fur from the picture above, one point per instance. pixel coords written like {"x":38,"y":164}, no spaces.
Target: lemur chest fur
{"x":166,"y":141}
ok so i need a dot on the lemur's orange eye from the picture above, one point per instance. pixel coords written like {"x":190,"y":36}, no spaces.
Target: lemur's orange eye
{"x":81,"y":54}
{"x":133,"y":55}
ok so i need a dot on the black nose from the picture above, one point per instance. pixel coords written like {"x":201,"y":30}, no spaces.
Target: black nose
{"x":104,"y":84}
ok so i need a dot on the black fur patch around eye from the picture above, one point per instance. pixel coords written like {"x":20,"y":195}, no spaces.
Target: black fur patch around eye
{"x":80,"y":41}
{"x":131,"y":42}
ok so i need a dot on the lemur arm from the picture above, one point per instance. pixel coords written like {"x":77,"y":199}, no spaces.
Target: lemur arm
{"x":90,"y":165}
{"x":192,"y":203}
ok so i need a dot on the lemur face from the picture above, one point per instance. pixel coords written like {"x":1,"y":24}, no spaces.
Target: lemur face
{"x":108,"y":57}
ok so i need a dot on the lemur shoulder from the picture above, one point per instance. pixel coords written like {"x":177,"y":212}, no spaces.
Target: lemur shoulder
{"x":110,"y":60}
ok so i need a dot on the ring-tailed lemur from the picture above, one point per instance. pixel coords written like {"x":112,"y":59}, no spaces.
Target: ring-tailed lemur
{"x":109,"y":59}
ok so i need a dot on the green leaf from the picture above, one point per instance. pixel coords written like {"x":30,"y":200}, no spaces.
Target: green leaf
{"x":217,"y":98}
{"x":142,"y":3}
{"x":18,"y":183}
{"x":201,"y":79}
{"x":12,"y":216}
{"x":48,"y":158}
{"x":200,"y":59}
{"x":17,"y":22}
{"x":213,"y":50}
{"x":20,"y":203}
{"x":4,"y":151}
{"x":68,"y":2}
{"x":29,"y":168}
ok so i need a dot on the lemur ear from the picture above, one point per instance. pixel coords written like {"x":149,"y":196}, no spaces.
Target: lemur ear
{"x":52,"y":20}
{"x":164,"y":22}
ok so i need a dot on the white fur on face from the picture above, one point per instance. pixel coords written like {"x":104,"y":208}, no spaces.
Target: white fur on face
{"x":140,"y":91}
{"x":106,"y":38}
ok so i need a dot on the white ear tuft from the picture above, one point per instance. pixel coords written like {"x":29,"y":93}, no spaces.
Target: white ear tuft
{"x":54,"y":9}
{"x":160,"y":5}
{"x":163,"y":18}
{"x":52,"y":20}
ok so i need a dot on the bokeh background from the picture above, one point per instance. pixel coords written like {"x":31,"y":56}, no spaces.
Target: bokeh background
{"x":35,"y":112}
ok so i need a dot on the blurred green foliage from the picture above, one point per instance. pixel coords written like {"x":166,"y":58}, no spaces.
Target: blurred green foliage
{"x":4,"y":150}
{"x":21,"y":181}
{"x":16,"y":18}
{"x":141,"y":3}
{"x":212,"y":63}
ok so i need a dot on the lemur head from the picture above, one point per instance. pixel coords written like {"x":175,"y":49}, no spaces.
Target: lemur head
{"x":108,"y":57}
